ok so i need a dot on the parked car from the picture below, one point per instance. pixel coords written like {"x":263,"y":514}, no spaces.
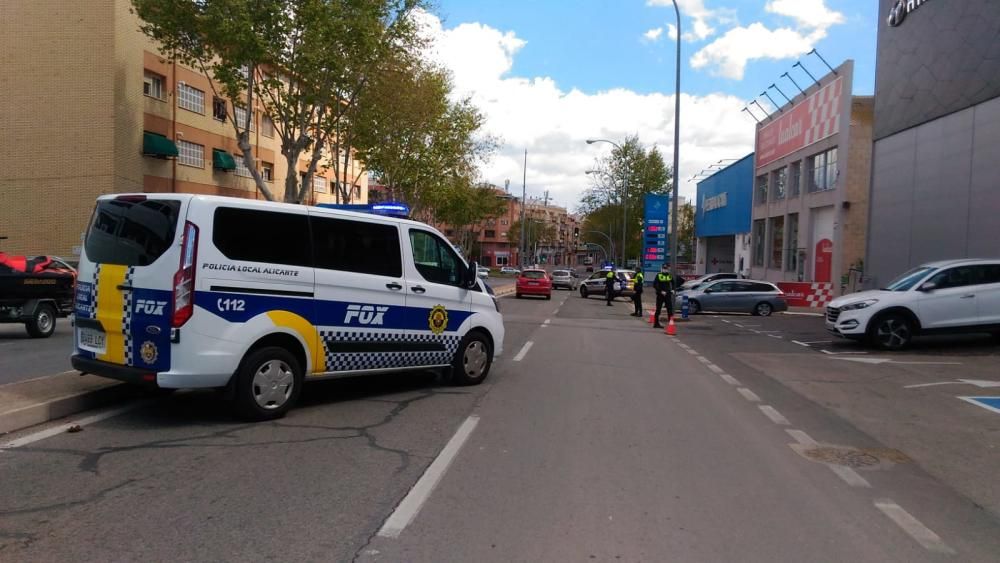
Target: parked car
{"x":564,"y":278}
{"x":534,"y":282}
{"x":35,"y":291}
{"x":510,"y":271}
{"x":483,"y":273}
{"x":703,"y":279}
{"x":938,"y":297}
{"x":595,"y":284}
{"x":735,"y":296}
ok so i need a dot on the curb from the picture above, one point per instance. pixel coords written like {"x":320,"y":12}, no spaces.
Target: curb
{"x":44,"y":399}
{"x":504,"y":292}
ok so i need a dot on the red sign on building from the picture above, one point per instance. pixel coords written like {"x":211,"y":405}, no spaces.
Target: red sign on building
{"x":813,"y":119}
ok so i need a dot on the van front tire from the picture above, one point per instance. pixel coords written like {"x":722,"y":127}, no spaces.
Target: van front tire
{"x":268,"y":384}
{"x":472,"y":360}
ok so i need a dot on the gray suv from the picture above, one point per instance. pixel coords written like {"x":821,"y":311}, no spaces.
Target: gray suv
{"x":564,"y":278}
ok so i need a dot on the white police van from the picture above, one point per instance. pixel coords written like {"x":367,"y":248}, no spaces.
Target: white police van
{"x":187,"y":291}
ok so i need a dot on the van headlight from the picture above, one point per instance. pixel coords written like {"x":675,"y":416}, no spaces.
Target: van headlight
{"x":859,"y":305}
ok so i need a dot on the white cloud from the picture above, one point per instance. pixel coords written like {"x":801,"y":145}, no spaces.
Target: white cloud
{"x":672,"y":31}
{"x":653,"y":35}
{"x":807,"y":13}
{"x":728,"y":55}
{"x":553,"y":124}
{"x":698,"y":13}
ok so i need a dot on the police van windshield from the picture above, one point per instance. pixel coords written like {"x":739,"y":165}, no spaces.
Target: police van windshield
{"x":131,"y":231}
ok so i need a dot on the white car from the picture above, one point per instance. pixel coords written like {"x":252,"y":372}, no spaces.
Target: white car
{"x":257,"y":298}
{"x":508,"y":270}
{"x":939,"y":297}
{"x":483,"y":273}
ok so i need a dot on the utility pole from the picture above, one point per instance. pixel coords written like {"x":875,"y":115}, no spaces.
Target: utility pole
{"x":524,"y":202}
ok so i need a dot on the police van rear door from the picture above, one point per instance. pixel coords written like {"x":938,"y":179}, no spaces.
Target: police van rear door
{"x":360,"y":292}
{"x":124,"y":294}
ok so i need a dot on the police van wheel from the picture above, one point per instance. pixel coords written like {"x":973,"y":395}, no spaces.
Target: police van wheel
{"x":268,"y":383}
{"x":43,"y":322}
{"x":472,"y":361}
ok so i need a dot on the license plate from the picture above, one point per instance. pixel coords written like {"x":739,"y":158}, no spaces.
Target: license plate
{"x":532,"y":283}
{"x":92,"y":340}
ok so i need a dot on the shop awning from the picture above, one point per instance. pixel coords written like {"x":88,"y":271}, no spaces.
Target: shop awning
{"x":222,"y":160}
{"x":154,"y":144}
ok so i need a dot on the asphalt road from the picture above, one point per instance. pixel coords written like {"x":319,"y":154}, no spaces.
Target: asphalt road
{"x":595,"y":438}
{"x":23,"y":358}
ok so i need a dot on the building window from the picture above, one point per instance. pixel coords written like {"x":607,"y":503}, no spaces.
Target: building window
{"x":490,"y":234}
{"x":761,"y":190}
{"x":241,"y":167}
{"x":780,"y":180}
{"x":240,"y":114}
{"x":152,"y":85}
{"x":792,"y":248}
{"x":504,"y":222}
{"x":191,"y":99}
{"x":320,"y":185}
{"x":503,"y":261}
{"x":219,"y":110}
{"x":267,"y":171}
{"x":357,"y":192}
{"x":758,"y":242}
{"x":503,"y":235}
{"x":191,"y":154}
{"x":777,"y":232}
{"x":266,"y":126}
{"x":823,"y":171}
{"x":794,"y":178}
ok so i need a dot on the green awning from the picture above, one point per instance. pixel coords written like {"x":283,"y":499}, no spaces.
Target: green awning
{"x":154,"y":144}
{"x":222,"y":160}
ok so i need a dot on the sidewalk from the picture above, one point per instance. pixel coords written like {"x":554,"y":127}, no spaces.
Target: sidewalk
{"x":39,"y":400}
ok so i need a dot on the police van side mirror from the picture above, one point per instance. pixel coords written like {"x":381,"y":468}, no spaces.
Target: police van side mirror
{"x":471,"y":275}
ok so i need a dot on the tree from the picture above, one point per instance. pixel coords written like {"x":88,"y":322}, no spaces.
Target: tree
{"x":685,"y":233}
{"x":304,"y":61}
{"x":536,"y":232}
{"x":465,"y":208}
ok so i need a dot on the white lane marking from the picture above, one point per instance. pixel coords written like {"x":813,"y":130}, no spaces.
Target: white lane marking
{"x":800,"y":343}
{"x":62,"y":428}
{"x":725,"y":321}
{"x":774,"y":415}
{"x":818,"y":342}
{"x":767,"y":331}
{"x":802,"y":438}
{"x":682,"y":345}
{"x":547,"y":321}
{"x":755,"y":331}
{"x":775,"y":336}
{"x":804,"y":314}
{"x":849,"y":476}
{"x":410,"y":506}
{"x":729,"y":379}
{"x":715,"y":368}
{"x":749,"y":395}
{"x":524,"y":350}
{"x":738,"y":325}
{"x":692,"y":351}
{"x":916,"y":530}
{"x":703,"y":359}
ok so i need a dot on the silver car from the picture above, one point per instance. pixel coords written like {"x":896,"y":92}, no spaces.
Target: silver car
{"x":564,"y":278}
{"x":735,"y":296}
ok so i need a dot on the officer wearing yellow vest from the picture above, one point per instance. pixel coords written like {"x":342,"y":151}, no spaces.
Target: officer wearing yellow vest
{"x":639,"y":279}
{"x":663,"y":286}
{"x":609,"y":286}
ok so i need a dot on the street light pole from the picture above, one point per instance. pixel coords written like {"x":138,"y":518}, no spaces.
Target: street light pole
{"x":677,"y":139}
{"x":524,"y":202}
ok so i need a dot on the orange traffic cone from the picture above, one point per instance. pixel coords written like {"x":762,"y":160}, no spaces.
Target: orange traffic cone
{"x":671,"y":329}
{"x":652,"y":316}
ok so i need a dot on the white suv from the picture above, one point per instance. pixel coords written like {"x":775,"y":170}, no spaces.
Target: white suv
{"x":939,"y":297}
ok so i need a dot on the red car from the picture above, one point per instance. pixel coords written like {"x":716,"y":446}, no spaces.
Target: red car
{"x":534,"y":282}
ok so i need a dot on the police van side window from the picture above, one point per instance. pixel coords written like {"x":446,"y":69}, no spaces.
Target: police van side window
{"x":357,"y":246}
{"x":262,"y":236}
{"x":434,"y":259}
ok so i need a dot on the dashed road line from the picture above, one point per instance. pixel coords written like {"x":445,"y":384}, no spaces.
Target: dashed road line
{"x":703,"y":359}
{"x":801,"y":343}
{"x":729,"y":379}
{"x":715,"y":368}
{"x":692,"y":351}
{"x":411,"y":504}
{"x":749,"y":395}
{"x":775,"y":336}
{"x":802,"y":438}
{"x":850,"y":476}
{"x":546,"y":323}
{"x":524,"y":350}
{"x":775,"y":416}
{"x":913,"y":527}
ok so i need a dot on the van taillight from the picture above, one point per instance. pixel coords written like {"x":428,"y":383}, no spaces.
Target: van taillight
{"x":184,"y":278}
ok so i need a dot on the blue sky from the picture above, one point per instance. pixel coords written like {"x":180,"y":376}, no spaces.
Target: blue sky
{"x":540,"y":68}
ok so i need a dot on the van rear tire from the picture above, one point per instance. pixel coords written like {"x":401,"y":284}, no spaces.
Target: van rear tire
{"x":268,"y":383}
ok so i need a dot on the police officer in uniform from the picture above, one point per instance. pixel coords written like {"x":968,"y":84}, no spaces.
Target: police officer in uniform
{"x":637,"y":296}
{"x":609,"y":286}
{"x":663,"y":286}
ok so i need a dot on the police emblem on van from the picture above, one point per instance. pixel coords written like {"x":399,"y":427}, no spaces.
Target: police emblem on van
{"x":438,"y":319}
{"x":148,"y":352}
{"x":149,"y":306}
{"x":369,"y":315}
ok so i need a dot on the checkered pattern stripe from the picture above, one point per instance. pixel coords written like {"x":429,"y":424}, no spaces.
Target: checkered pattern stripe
{"x":127,"y":312}
{"x":386,"y":360}
{"x":820,"y":294}
{"x":824,"y":113}
{"x":93,"y":295}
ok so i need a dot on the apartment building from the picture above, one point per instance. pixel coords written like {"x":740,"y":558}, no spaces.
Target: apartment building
{"x":812,"y":170}
{"x":92,"y":107}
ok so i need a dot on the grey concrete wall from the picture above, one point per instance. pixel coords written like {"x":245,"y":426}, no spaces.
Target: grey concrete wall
{"x":936,"y":193}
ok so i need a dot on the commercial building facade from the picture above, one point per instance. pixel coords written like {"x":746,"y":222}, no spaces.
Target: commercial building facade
{"x":935,"y":193}
{"x":811,"y":183}
{"x":92,"y":107}
{"x":722,"y":219}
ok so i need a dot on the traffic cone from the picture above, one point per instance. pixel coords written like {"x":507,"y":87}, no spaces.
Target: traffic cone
{"x":652,"y":316}
{"x":671,"y":329}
